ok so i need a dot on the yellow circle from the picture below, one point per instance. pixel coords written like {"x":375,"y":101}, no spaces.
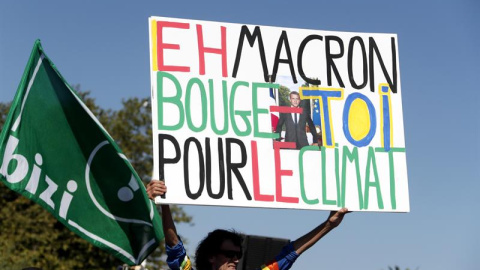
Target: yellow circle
{"x":358,"y":120}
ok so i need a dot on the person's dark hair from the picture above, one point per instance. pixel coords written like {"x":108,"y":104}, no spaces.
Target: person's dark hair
{"x":210,"y":246}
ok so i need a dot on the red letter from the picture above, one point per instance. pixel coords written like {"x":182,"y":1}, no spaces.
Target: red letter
{"x":161,"y":46}
{"x":279,"y":172}
{"x":202,"y":50}
{"x":286,"y":109}
{"x":256,"y":183}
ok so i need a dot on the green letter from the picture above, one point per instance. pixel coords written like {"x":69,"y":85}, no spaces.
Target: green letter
{"x":337,"y":174}
{"x":376,"y":183}
{"x":203,"y":99}
{"x":393,"y":199}
{"x":243,"y":114}
{"x":212,"y":108}
{"x":173,"y":100}
{"x":302,"y":181}
{"x":257,"y":111}
{"x":324,"y":180}
{"x":352,"y":156}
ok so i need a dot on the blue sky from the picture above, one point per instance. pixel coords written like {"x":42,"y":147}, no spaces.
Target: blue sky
{"x":103,"y":45}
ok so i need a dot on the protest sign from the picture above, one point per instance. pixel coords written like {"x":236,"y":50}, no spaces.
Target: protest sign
{"x":56,"y":153}
{"x":217,"y":93}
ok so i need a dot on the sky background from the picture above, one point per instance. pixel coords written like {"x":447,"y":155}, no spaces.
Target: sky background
{"x":103,"y":45}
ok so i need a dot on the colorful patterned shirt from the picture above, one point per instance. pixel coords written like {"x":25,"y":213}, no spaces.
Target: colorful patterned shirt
{"x":177,"y":258}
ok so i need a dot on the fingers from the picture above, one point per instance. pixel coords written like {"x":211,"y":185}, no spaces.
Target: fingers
{"x":336,"y":217}
{"x":339,"y":213}
{"x":157,"y":184}
{"x":156,"y":188}
{"x":342,"y":211}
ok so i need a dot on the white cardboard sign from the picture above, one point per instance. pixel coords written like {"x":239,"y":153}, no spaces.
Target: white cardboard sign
{"x":216,"y":95}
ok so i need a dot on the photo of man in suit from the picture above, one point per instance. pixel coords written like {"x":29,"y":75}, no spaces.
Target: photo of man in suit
{"x":295,"y":124}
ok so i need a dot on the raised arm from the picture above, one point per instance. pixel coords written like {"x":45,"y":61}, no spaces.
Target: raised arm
{"x":177,"y":258}
{"x":306,"y":241}
{"x":290,"y":252}
{"x":157,"y":188}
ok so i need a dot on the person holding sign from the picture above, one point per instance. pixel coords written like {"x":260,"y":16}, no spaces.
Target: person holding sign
{"x":295,"y":124}
{"x":222,"y":249}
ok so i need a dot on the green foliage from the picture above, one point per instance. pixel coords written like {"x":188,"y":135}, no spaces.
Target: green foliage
{"x":4,"y":107}
{"x":283,"y":96}
{"x":30,"y":236}
{"x":131,"y":127}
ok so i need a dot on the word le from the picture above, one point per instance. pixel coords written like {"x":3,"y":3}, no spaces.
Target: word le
{"x":355,"y":44}
{"x":231,"y":169}
{"x":22,"y":169}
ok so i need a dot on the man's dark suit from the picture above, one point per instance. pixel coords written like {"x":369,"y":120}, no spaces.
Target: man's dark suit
{"x":296,"y":132}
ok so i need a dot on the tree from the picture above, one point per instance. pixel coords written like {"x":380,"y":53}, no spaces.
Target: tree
{"x":283,"y":96}
{"x":4,"y":107}
{"x":30,"y":236}
{"x":396,"y":267}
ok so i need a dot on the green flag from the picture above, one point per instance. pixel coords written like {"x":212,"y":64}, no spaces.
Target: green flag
{"x":56,"y":153}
